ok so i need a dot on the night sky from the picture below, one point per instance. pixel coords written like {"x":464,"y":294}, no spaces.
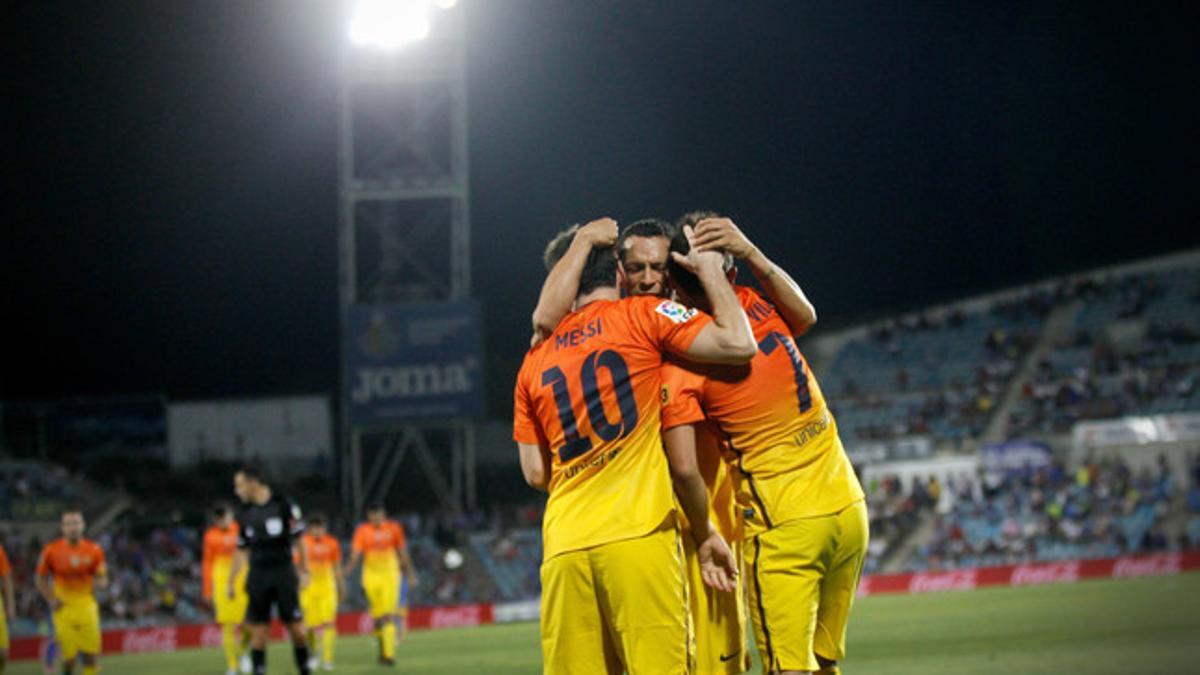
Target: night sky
{"x":171,"y":218}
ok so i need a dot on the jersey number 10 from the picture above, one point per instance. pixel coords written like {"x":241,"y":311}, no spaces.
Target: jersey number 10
{"x":575,"y":445}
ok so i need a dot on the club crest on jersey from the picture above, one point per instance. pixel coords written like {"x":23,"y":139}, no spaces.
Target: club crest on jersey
{"x":675,"y":311}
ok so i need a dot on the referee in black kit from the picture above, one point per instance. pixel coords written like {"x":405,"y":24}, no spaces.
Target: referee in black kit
{"x":269,"y":526}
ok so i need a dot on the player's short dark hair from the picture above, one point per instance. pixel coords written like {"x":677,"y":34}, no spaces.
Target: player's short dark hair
{"x":690,"y":283}
{"x":253,"y":472}
{"x":646,"y":227}
{"x":692,"y":218}
{"x":376,"y":506}
{"x":220,"y":510}
{"x":317,"y":519}
{"x":600,"y":270}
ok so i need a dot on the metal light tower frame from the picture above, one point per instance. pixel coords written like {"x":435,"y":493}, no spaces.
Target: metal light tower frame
{"x":404,"y":234}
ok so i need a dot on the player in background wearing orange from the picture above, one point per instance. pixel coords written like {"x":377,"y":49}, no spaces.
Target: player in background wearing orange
{"x":9,"y":610}
{"x":718,"y":618}
{"x":381,"y":546}
{"x":220,"y":545}
{"x":326,"y":583}
{"x":67,"y":572}
{"x":586,"y":422}
{"x":804,"y":516}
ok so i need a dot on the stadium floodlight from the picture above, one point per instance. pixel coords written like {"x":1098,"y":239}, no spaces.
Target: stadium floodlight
{"x":389,"y":24}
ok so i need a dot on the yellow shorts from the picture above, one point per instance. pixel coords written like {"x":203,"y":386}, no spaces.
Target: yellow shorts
{"x":718,"y":619}
{"x":618,"y":607}
{"x":3,"y":631}
{"x":383,"y":596}
{"x":803,"y":575}
{"x":230,"y":610}
{"x":77,"y":628}
{"x":319,"y":603}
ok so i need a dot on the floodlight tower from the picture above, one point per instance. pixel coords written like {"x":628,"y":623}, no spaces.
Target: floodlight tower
{"x":403,"y":226}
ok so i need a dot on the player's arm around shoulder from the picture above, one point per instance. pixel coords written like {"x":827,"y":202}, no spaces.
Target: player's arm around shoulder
{"x":727,"y":338}
{"x":562,"y":283}
{"x":793,"y":306}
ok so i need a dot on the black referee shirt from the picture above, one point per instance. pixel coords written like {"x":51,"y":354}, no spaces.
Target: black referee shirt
{"x":268,"y":530}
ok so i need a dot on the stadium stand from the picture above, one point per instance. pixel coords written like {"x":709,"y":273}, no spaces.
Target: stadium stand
{"x":1097,"y":509}
{"x":928,"y":375}
{"x":1134,"y":349}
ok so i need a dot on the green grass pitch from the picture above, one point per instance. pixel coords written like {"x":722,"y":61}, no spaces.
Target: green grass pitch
{"x":1126,"y":626}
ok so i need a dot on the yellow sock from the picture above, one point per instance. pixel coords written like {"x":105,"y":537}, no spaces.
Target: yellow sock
{"x":90,"y":670}
{"x":310,"y":636}
{"x":389,"y":640}
{"x":327,"y":642}
{"x":229,"y":641}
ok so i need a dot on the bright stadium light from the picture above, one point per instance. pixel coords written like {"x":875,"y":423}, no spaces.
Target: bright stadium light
{"x":389,"y":24}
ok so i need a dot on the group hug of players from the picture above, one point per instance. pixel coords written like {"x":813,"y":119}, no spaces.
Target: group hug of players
{"x":694,"y":472}
{"x":266,"y":558}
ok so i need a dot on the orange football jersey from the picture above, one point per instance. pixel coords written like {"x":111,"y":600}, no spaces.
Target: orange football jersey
{"x":379,"y":545}
{"x":5,"y":565}
{"x":220,"y":543}
{"x":779,"y":432}
{"x":322,"y":553}
{"x":590,"y":394}
{"x":72,"y":567}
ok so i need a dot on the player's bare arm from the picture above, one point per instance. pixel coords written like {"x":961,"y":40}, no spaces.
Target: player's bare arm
{"x":562,"y":283}
{"x":406,"y":566}
{"x":301,"y":558}
{"x":43,"y":586}
{"x":793,"y":306}
{"x":101,"y":580}
{"x":718,"y":567}
{"x":728,"y":339}
{"x":535,"y":465}
{"x":339,"y":576}
{"x":10,"y":603}
{"x":355,"y":556}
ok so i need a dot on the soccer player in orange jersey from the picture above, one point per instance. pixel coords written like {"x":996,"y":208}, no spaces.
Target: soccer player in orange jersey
{"x":9,"y":609}
{"x":326,"y":583}
{"x":67,"y":571}
{"x":220,"y":545}
{"x":586,"y":422}
{"x":804,"y":517}
{"x":381,"y":545}
{"x":718,"y":618}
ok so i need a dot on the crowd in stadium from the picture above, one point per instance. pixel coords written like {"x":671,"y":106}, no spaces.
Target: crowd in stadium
{"x":941,"y":374}
{"x":1101,"y":508}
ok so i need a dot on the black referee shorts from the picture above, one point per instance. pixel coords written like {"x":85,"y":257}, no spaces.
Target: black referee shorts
{"x":273,"y":586}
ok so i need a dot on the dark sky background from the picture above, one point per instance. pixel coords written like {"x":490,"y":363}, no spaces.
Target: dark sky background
{"x":170,"y":225}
